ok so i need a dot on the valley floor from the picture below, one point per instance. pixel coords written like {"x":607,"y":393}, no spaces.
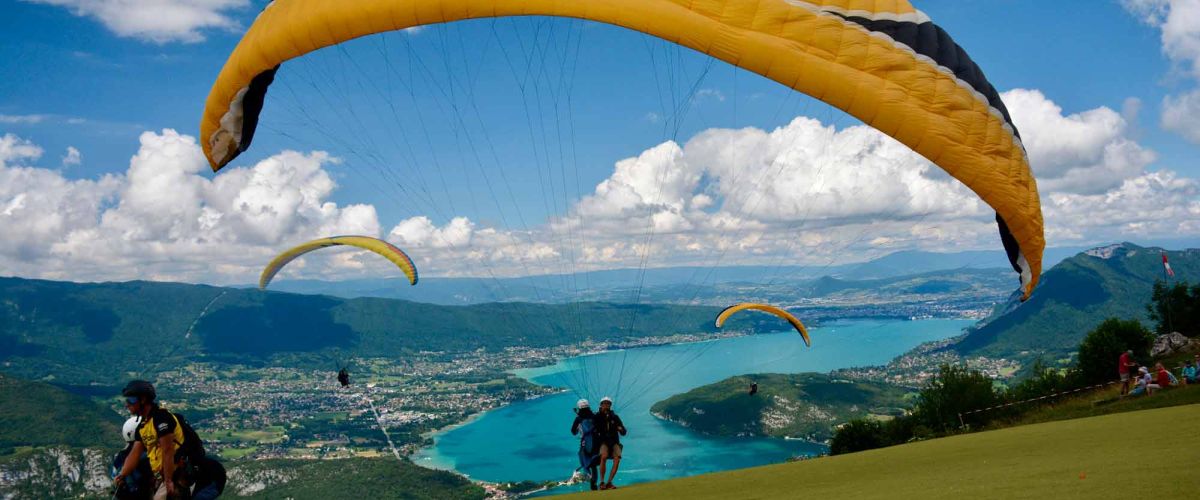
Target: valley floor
{"x":1141,"y":454}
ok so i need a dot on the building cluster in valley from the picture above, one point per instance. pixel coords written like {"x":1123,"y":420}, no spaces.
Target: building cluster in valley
{"x":278,"y":411}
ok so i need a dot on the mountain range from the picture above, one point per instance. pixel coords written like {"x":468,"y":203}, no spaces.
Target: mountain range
{"x":83,"y":333}
{"x":667,"y":284}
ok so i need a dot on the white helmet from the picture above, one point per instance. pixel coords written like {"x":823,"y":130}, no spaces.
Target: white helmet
{"x":129,"y":430}
{"x":605,"y":399}
{"x":581,"y":404}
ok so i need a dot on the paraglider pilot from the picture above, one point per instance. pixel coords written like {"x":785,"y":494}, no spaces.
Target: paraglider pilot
{"x":609,"y":430}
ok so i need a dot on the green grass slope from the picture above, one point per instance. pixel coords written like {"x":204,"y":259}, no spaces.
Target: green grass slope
{"x":37,"y":414}
{"x":807,"y":405}
{"x":1142,"y":454}
{"x":1072,"y":298}
{"x":1105,"y":401}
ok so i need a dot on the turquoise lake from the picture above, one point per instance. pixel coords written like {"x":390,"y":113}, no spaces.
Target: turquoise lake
{"x":531,"y":439}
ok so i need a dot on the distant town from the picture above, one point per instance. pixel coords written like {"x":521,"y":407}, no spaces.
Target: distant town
{"x":273,"y":412}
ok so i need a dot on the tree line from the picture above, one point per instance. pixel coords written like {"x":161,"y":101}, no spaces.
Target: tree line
{"x":947,"y":402}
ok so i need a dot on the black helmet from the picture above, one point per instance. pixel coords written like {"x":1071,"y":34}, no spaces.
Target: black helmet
{"x":141,"y":389}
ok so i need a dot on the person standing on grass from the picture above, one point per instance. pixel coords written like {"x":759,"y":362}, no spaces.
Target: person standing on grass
{"x":1125,"y":367}
{"x":584,"y":427}
{"x":609,"y":430}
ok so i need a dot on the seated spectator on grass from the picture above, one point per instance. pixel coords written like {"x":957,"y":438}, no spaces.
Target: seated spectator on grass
{"x":1151,"y":383}
{"x":1189,"y":372}
{"x":1164,"y":376}
{"x":1144,"y":384}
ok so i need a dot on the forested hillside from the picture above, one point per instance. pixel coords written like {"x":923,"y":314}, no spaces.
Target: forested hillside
{"x":1075,"y":296}
{"x":80,"y":333}
{"x":807,"y":405}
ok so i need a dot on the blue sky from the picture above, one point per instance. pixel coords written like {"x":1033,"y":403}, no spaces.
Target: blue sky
{"x":74,"y":66}
{"x":80,"y":75}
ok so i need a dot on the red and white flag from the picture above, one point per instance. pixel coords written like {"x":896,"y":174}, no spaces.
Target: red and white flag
{"x":1167,"y":266}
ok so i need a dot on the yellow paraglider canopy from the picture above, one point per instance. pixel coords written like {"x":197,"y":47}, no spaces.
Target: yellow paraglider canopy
{"x":767,"y":308}
{"x":882,"y":61}
{"x":387,"y":250}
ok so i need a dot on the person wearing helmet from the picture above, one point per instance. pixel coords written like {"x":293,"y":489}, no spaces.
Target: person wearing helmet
{"x":161,"y":437}
{"x":139,"y":485}
{"x":609,"y":430}
{"x":585,"y":429}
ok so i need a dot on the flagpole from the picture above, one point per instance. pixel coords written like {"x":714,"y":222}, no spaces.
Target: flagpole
{"x":1167,"y":275}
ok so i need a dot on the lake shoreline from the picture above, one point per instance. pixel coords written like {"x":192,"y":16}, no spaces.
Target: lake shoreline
{"x":531,"y":430}
{"x":435,"y":433}
{"x":426,"y":460}
{"x":690,"y":429}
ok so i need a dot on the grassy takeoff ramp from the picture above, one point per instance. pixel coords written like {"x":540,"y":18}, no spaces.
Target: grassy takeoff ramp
{"x":1142,"y":454}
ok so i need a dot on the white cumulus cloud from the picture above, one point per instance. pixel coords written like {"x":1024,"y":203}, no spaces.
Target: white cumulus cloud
{"x":420,"y":232}
{"x":1087,"y":152}
{"x":808,"y":193}
{"x":1179,"y":24}
{"x":158,"y":21}
{"x":163,"y":218}
{"x":804,"y":193}
{"x":1153,"y":204}
{"x":15,"y":150}
{"x":1179,"y":21}
{"x":72,"y":158}
{"x":1181,"y":114}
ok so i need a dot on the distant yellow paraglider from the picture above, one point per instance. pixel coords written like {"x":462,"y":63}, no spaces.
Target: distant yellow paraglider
{"x":387,"y":250}
{"x":767,"y":308}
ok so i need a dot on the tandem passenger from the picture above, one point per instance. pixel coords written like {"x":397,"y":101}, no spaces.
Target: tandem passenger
{"x":584,"y":426}
{"x":139,"y":483}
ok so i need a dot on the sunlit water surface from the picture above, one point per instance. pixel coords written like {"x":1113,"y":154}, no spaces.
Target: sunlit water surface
{"x":531,"y":439}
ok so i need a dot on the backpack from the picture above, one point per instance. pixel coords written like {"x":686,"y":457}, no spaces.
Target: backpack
{"x":193,"y":446}
{"x":587,"y":435}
